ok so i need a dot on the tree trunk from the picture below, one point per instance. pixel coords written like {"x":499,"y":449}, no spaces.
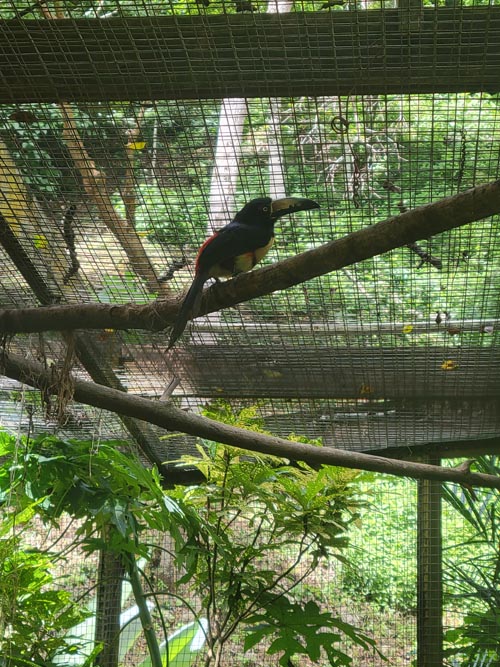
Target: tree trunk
{"x":109,"y":594}
{"x":277,"y":185}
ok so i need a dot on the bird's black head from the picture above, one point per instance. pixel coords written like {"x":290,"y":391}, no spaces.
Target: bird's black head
{"x":257,"y":212}
{"x":265,"y":211}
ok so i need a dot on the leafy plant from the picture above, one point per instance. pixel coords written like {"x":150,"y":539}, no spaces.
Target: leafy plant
{"x":110,"y":492}
{"x":256,"y":529}
{"x":35,"y":616}
{"x":473,"y":573}
{"x":302,"y":629}
{"x":240,"y":536}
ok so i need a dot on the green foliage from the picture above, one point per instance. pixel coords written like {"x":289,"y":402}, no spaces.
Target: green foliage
{"x":473,"y":572}
{"x":381,"y":561}
{"x":120,"y":289}
{"x":35,"y":616}
{"x":250,"y":526}
{"x":108,"y":490}
{"x":166,"y":218}
{"x":102,"y":487}
{"x":477,"y":639}
{"x":302,"y":629}
{"x":240,"y":537}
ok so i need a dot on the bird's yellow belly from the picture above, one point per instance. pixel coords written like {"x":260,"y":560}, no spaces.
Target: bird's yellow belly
{"x":242,"y":263}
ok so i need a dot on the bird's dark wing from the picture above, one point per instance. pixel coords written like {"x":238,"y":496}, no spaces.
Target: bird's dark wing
{"x":215,"y":258}
{"x":233,"y":240}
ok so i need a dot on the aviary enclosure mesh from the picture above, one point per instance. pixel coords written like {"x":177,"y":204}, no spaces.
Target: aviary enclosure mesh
{"x":398,"y":351}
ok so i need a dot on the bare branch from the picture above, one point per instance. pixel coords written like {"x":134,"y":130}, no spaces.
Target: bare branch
{"x":419,"y":223}
{"x":94,"y":183}
{"x":169,"y":417}
{"x":426,"y":258}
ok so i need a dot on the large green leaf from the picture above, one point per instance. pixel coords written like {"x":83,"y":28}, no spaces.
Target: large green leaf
{"x":181,"y":648}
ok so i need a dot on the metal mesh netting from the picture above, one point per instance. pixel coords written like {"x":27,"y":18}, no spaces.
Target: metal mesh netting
{"x":169,"y":118}
{"x":393,"y":351}
{"x":141,"y":8}
{"x":180,"y":51}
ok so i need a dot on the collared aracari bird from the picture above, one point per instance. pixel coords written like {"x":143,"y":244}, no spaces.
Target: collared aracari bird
{"x":236,"y":248}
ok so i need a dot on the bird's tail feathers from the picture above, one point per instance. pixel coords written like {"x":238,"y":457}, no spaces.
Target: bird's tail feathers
{"x":189,"y":308}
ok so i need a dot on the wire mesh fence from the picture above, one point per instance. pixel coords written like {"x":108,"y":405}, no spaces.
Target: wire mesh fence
{"x":170,"y":117}
{"x":396,"y":331}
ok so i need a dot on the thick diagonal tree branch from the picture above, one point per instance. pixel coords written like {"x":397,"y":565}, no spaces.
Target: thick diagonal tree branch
{"x":169,"y":417}
{"x":419,"y":223}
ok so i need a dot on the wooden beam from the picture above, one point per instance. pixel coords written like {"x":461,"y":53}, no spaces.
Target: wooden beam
{"x":429,"y":574}
{"x":345,"y":328}
{"x":452,"y":428}
{"x":452,"y":449}
{"x":111,"y":573}
{"x":194,"y":57}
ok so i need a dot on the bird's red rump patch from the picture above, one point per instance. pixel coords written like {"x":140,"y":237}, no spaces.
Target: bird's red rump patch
{"x":202,"y":248}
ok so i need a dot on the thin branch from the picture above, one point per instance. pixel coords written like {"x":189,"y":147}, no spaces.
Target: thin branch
{"x":419,"y":223}
{"x":129,"y":194}
{"x":256,"y":602}
{"x":94,"y":182}
{"x":69,"y":239}
{"x":169,"y":417}
{"x":425,"y":257}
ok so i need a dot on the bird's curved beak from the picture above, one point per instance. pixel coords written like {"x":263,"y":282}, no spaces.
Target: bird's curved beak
{"x":281,"y":207}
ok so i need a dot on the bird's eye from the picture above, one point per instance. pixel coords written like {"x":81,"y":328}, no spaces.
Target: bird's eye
{"x":265,"y":209}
